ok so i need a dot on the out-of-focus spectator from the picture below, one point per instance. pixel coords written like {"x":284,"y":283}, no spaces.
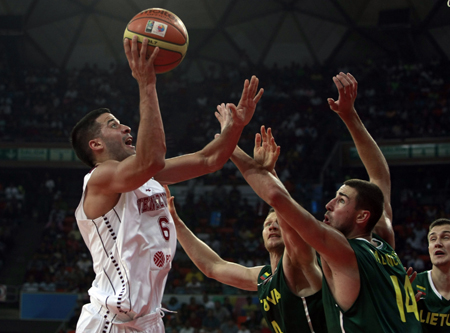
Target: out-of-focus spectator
{"x":194,"y":286}
{"x":47,"y":284}
{"x":210,"y":323}
{"x":31,"y":285}
{"x":229,"y":326}
{"x":220,"y":312}
{"x":207,"y":302}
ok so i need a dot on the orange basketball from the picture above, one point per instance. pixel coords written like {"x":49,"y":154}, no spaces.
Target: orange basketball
{"x":163,"y":29}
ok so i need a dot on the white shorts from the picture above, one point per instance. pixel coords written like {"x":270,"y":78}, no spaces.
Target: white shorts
{"x":94,"y":319}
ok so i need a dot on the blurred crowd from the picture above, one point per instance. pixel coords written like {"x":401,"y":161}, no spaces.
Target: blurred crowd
{"x":395,"y":100}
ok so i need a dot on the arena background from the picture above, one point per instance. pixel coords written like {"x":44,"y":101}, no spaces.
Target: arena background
{"x":59,"y":59}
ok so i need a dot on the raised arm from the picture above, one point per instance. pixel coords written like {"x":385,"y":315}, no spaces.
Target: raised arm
{"x":303,"y":274}
{"x":208,"y":261}
{"x":130,"y":173}
{"x":331,"y":244}
{"x":270,"y":188}
{"x":122,"y":168}
{"x":368,"y":150}
{"x":214,"y":155}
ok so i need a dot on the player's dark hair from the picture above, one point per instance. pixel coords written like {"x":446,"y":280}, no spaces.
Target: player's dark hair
{"x":438,"y":222}
{"x":369,"y":197}
{"x":84,"y":131}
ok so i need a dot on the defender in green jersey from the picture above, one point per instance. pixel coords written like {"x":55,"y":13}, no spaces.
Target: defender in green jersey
{"x":353,"y":262}
{"x":294,"y":274}
{"x":294,"y":263}
{"x":434,"y":285}
{"x":283,"y":310}
{"x":386,"y":301}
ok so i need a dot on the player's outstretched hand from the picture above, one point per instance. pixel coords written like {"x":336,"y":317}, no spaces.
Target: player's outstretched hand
{"x":266,"y":151}
{"x":243,"y":112}
{"x":348,"y":89}
{"x":142,"y":69}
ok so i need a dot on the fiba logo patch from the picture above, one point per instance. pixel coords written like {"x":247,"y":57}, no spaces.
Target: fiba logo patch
{"x":159,"y":259}
{"x":161,"y":28}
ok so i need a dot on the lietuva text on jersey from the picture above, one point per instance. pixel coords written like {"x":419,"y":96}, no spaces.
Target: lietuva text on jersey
{"x":151,"y":203}
{"x":435,"y":319}
{"x":275,"y":296}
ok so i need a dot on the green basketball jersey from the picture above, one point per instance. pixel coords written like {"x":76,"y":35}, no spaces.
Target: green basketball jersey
{"x":434,"y":310}
{"x":386,"y":300}
{"x":284,"y":311}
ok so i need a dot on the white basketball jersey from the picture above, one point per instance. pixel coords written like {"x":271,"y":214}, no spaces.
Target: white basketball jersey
{"x":132,"y":248}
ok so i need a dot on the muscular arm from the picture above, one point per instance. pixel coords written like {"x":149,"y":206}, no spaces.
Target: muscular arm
{"x":213,"y":156}
{"x":210,"y":159}
{"x":368,"y":150}
{"x":331,"y":244}
{"x":270,"y":188}
{"x":113,"y":177}
{"x":208,"y":261}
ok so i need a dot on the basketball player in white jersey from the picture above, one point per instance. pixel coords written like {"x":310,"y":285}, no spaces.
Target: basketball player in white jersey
{"x":123,"y":215}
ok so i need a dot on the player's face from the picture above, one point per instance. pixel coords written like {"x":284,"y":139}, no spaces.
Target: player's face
{"x":439,"y":244}
{"x":341,"y":213}
{"x":116,"y":137}
{"x":272,"y":233}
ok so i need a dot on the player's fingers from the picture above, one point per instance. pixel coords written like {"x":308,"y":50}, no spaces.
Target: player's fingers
{"x":127,"y":48}
{"x":144,"y":46}
{"x":231,"y":109}
{"x":258,"y":96}
{"x":352,"y":79}
{"x":418,"y":295}
{"x":253,"y":86}
{"x":134,"y":48}
{"x":154,"y":55}
{"x":332,"y":104}
{"x":257,"y":140}
{"x":167,"y":191}
{"x":220,"y":108}
{"x":278,"y":151}
{"x":269,"y":134}
{"x":244,"y":94}
{"x":344,"y":79}
{"x":338,"y":83}
{"x":273,"y":143}
{"x":170,"y":202}
{"x":263,"y":133}
{"x":354,"y":83}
